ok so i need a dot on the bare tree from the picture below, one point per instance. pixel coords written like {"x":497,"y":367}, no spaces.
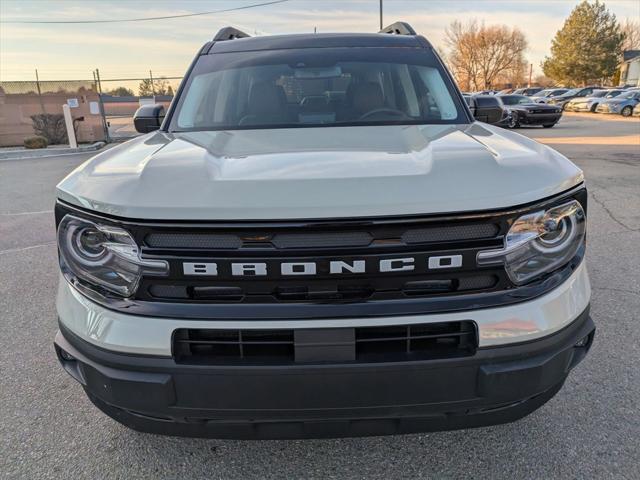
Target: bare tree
{"x":631,"y":32}
{"x":545,"y":81}
{"x":482,"y":55}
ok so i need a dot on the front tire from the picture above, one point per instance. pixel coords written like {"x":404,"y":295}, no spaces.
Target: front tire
{"x":513,"y":121}
{"x":548,"y":125}
{"x":626,"y":111}
{"x":593,"y":108}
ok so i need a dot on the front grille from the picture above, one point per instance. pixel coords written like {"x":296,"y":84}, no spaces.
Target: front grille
{"x":320,"y":243}
{"x":305,"y":293}
{"x":397,"y":343}
{"x":325,"y":239}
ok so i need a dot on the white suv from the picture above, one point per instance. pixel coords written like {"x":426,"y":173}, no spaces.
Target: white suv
{"x":319,"y":240}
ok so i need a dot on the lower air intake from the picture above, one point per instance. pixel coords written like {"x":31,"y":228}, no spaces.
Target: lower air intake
{"x":397,"y":343}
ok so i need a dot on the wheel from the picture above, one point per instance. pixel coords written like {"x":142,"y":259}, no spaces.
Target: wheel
{"x":626,"y":111}
{"x":593,"y":108}
{"x":548,"y":125}
{"x":513,"y":121}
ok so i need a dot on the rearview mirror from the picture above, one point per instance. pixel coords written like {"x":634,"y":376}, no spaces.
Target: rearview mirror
{"x":148,"y":118}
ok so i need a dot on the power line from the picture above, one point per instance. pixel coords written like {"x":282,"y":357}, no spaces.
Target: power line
{"x":146,"y":19}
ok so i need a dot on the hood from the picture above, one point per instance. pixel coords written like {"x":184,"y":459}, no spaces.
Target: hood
{"x":314,"y":173}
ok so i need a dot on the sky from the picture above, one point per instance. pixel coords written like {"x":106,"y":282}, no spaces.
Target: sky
{"x":130,"y":50}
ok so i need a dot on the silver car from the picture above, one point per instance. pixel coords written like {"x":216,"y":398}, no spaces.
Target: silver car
{"x":590,"y":104}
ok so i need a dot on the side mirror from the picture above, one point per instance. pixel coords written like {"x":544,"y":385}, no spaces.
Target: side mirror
{"x":487,"y":108}
{"x":148,"y":118}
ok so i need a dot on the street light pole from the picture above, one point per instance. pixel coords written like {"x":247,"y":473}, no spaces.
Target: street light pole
{"x":380,"y":14}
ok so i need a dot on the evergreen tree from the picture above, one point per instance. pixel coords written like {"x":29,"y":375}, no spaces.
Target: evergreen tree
{"x":586,"y":49}
{"x":121,"y":92}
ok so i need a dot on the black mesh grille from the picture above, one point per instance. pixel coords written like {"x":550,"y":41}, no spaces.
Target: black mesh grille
{"x":390,"y":236}
{"x":168,"y":291}
{"x":295,"y":292}
{"x":477,"y":282}
{"x":193,"y":240}
{"x":449,"y":233}
{"x":326,"y":240}
{"x":360,"y":344}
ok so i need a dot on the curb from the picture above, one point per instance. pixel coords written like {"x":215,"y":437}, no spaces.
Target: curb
{"x":42,"y":153}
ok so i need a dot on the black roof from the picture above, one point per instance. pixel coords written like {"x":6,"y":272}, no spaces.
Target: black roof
{"x":316,"y":40}
{"x":630,"y":54}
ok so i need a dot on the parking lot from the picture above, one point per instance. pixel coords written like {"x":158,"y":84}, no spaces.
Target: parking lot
{"x":591,"y":429}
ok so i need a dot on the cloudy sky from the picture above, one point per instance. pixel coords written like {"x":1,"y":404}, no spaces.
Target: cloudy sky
{"x":72,"y":51}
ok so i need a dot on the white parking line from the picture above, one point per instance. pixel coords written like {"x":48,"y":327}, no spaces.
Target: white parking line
{"x":25,"y":213}
{"x":16,"y":250}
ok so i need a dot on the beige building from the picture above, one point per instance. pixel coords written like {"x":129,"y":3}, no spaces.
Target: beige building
{"x":16,"y":110}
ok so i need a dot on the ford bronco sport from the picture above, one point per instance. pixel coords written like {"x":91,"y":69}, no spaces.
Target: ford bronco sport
{"x":318,"y":240}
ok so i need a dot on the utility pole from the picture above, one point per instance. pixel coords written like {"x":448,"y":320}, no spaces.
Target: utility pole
{"x":380,"y":14}
{"x":39,"y":92}
{"x":105,"y":124}
{"x":153,"y":88}
{"x":98,"y":79}
{"x":530,"y":72}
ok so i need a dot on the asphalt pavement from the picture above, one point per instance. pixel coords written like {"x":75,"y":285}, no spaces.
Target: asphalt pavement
{"x":591,"y":429}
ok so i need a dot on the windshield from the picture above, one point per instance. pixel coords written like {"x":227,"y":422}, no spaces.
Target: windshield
{"x":570,"y":92}
{"x":515,"y":100}
{"x":542,"y":93}
{"x":627,"y":95}
{"x":613,"y":93}
{"x":317,"y":87}
{"x":599,"y":93}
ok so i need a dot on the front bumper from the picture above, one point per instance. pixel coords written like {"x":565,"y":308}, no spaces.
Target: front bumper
{"x":539,"y":118}
{"x":578,"y":107}
{"x":156,"y":395}
{"x":146,"y":335}
{"x":605,"y":108}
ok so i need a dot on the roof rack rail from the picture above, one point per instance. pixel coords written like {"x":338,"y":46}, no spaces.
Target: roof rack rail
{"x":229,"y":33}
{"x":399,"y":28}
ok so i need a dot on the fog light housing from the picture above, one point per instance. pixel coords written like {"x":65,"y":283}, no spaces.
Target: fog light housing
{"x":67,"y":357}
{"x":583,"y":342}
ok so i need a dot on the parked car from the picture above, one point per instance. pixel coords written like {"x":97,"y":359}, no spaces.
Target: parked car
{"x":623,"y":104}
{"x":320,"y":240}
{"x":524,"y":111}
{"x":590,"y":103}
{"x":561,"y":100}
{"x":528,"y":91}
{"x":636,"y":110}
{"x":549,"y":94}
{"x":505,"y":91}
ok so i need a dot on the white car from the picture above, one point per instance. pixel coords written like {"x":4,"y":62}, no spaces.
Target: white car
{"x":319,"y":240}
{"x":590,"y":104}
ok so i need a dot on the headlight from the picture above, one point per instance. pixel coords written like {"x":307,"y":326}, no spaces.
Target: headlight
{"x":539,"y":242}
{"x":103,"y":256}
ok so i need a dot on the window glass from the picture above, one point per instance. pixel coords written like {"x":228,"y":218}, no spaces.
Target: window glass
{"x":317,"y":87}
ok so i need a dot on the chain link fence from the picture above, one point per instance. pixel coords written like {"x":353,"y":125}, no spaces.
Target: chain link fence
{"x":48,"y":87}
{"x":24,"y":106}
{"x":117,"y":101}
